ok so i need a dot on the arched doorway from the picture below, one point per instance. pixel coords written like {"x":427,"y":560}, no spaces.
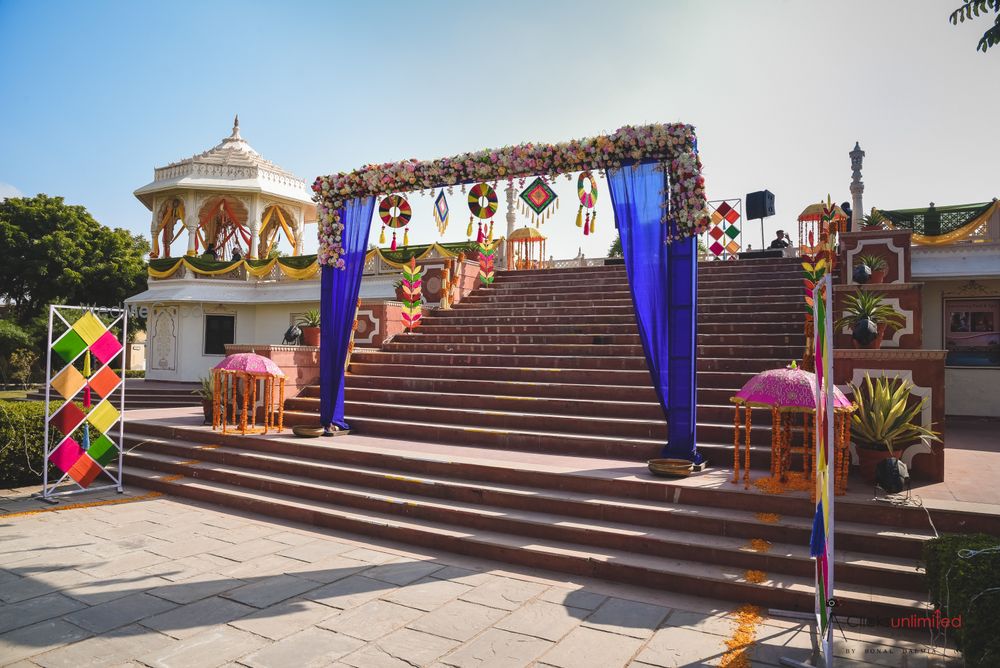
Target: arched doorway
{"x":222,"y":226}
{"x":170,"y":224}
{"x":276,"y":219}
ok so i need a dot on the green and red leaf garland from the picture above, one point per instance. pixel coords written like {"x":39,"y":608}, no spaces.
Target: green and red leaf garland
{"x":486,"y":252}
{"x":411,"y":293}
{"x":673,"y":145}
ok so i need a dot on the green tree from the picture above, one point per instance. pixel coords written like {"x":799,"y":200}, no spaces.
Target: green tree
{"x":972,"y":9}
{"x":616,"y":247}
{"x":52,"y":252}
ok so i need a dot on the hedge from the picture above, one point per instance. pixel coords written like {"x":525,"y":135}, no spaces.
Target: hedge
{"x":22,"y":425}
{"x":958,"y":579}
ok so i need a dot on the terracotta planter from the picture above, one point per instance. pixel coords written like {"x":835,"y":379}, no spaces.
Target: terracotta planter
{"x":874,"y":345}
{"x":310,"y":336}
{"x":206,"y":407}
{"x":868,"y":459}
{"x":878,"y":276}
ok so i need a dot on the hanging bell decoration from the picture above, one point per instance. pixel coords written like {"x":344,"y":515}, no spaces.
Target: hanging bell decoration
{"x":489,"y":238}
{"x":593,"y":221}
{"x":586,"y":225}
{"x":480,"y":236}
{"x":579,"y":216}
{"x":468,"y":230}
{"x":393,"y":246}
{"x":381,"y":237}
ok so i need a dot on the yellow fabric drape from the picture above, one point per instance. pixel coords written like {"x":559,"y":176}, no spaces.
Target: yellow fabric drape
{"x":963,"y":232}
{"x":256,"y":272}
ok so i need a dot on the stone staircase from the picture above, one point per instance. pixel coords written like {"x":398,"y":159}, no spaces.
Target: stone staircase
{"x":142,"y":394}
{"x":550,"y":361}
{"x":512,"y":428}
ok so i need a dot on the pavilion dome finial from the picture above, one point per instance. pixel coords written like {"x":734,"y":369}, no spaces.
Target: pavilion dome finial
{"x":236,"y":128}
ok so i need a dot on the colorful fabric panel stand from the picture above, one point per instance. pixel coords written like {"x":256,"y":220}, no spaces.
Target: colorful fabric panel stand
{"x":412,"y":295}
{"x":487,"y":251}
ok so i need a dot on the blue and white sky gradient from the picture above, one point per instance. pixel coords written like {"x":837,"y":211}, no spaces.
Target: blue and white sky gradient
{"x":95,"y":94}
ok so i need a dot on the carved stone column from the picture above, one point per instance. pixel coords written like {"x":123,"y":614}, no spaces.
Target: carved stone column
{"x":300,"y":227}
{"x":191,"y":222}
{"x":253,"y":222}
{"x":154,"y":236}
{"x":857,"y":187}
{"x":511,"y":219}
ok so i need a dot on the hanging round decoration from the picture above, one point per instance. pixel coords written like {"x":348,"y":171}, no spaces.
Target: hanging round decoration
{"x":588,"y":197}
{"x":478,"y":193}
{"x":395,"y":211}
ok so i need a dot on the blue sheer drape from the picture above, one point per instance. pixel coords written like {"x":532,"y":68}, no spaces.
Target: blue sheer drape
{"x":663,"y":279}
{"x":338,"y":299}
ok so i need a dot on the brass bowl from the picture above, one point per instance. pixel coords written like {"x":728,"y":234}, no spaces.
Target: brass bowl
{"x":305,"y":431}
{"x":671,"y":468}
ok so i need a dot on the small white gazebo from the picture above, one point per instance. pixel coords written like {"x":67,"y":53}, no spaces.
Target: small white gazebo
{"x":230,"y":198}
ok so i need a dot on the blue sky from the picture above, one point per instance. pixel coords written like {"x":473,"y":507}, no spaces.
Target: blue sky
{"x":98,"y":93}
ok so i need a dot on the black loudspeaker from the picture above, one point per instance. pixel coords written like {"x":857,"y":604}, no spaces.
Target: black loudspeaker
{"x":760,"y":204}
{"x":892,"y":475}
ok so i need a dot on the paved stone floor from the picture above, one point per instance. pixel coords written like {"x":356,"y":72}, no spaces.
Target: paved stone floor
{"x":166,"y":582}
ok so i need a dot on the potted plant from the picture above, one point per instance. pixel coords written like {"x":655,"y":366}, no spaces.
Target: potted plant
{"x":207,"y":393}
{"x":876,"y":265}
{"x":309,"y":323}
{"x":873,"y":221}
{"x":867,"y":315}
{"x":882,"y":423}
{"x":398,"y":287}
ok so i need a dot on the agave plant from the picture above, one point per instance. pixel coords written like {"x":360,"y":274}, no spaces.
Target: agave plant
{"x":884,"y":416}
{"x":206,"y":391}
{"x":310,"y":318}
{"x":873,"y":262}
{"x":868,"y":306}
{"x":876,"y":219}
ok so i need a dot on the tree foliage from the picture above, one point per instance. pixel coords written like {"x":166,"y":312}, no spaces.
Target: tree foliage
{"x":972,"y":9}
{"x":52,"y":252}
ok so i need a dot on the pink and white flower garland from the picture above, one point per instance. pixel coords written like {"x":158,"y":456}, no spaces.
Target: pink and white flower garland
{"x":673,"y":144}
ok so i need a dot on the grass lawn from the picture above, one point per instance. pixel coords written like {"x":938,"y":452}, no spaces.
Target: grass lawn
{"x":13,"y":394}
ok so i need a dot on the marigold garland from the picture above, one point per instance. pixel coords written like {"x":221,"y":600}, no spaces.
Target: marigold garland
{"x":744,"y":635}
{"x":754,"y":577}
{"x":88,"y":504}
{"x":759,"y":545}
{"x":672,"y":144}
{"x":795,"y":482}
{"x":768,"y":518}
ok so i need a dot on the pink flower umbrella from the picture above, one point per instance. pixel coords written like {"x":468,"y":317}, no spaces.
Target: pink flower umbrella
{"x":788,"y":391}
{"x":250,"y":363}
{"x":251,"y":369}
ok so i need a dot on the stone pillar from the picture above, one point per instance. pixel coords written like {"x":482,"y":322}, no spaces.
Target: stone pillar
{"x":511,"y":219}
{"x":253,"y":222}
{"x":857,"y":187}
{"x":299,"y":229}
{"x":191,"y":222}
{"x":154,"y":236}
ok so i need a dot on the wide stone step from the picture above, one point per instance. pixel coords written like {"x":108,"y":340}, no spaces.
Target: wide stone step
{"x":694,"y":577}
{"x":747,"y":339}
{"x":465,"y":506}
{"x":519,"y":350}
{"x":564,"y":362}
{"x":606,"y":377}
{"x":475,"y":319}
{"x":491,"y":326}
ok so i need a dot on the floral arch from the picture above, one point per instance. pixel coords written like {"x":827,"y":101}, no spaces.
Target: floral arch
{"x":658,"y":197}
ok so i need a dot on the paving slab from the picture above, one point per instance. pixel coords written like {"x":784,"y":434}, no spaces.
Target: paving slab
{"x":371,"y":620}
{"x":573,"y":598}
{"x":314,"y":550}
{"x":677,"y":646}
{"x":458,"y":620}
{"x":349,"y":592}
{"x":28,"y":641}
{"x":119,"y":612}
{"x":272,"y":589}
{"x":589,"y":648}
{"x":542,"y":619}
{"x":497,"y":649}
{"x":404,"y":648}
{"x":404,"y":572}
{"x":205,"y":650}
{"x":114,"y":648}
{"x":504,"y":593}
{"x":630,"y":618}
{"x":35,"y":610}
{"x":196,"y":588}
{"x":285,"y":618}
{"x":187,"y":620}
{"x":427,"y":594}
{"x":312,"y":648}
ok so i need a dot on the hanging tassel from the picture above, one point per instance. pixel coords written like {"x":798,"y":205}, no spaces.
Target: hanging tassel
{"x":586,"y":225}
{"x":490,"y":237}
{"x":579,"y":216}
{"x":479,"y":235}
{"x":86,"y":396}
{"x":468,"y":230}
{"x":393,"y":246}
{"x":381,"y":237}
{"x":86,"y":365}
{"x":406,"y":236}
{"x":593,"y":221}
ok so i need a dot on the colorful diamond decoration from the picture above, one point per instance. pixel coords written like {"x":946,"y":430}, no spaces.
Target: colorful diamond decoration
{"x":103,"y":416}
{"x":732,"y":216}
{"x":723,"y":209}
{"x":106,"y":347}
{"x":89,"y":328}
{"x":103,"y":450}
{"x":732,"y":231}
{"x":69,"y":346}
{"x":104,"y":382}
{"x":67,"y":418}
{"x":716,"y":248}
{"x":84,"y":470}
{"x":441,"y":206}
{"x":538,"y":195}
{"x":716,"y":217}
{"x":716,"y":232}
{"x":66,"y":454}
{"x":732,"y":247}
{"x":68,"y":382}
